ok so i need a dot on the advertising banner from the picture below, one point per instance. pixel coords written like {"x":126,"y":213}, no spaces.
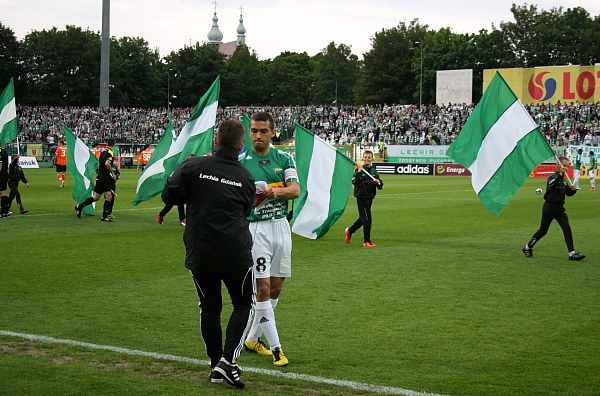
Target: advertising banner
{"x":451,"y":170}
{"x":408,"y":154}
{"x":454,"y":86}
{"x":28,"y":162}
{"x":553,"y":84}
{"x":35,"y":150}
{"x":403,"y":169}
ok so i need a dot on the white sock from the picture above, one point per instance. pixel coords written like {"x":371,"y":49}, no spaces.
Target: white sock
{"x":255,"y":331}
{"x":274,"y":302}
{"x":572,"y":253}
{"x":593,"y":183}
{"x":266,"y":321}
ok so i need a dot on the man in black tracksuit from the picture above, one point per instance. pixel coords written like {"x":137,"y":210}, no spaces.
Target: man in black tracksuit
{"x":556,"y":190}
{"x":219,"y":192}
{"x":365,"y":189}
{"x":15,"y":175}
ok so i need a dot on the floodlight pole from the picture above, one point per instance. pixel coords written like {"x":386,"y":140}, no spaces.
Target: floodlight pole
{"x":105,"y":56}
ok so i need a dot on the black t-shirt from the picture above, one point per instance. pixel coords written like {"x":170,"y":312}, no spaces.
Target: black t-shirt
{"x":106,"y":155}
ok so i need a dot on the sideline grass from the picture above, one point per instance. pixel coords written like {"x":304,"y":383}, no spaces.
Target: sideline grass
{"x":446,"y":304}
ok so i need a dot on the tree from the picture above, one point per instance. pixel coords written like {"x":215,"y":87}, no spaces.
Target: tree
{"x":63,"y":67}
{"x":242,"y":82}
{"x":335,"y":73}
{"x":194,"y":69}
{"x":9,"y":57}
{"x":387,"y":75}
{"x":288,"y":79}
{"x":137,"y":75}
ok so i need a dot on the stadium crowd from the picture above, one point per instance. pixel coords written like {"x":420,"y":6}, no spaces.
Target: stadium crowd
{"x":392,"y":124}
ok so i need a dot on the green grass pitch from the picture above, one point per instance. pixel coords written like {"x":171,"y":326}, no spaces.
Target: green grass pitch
{"x":446,"y":304}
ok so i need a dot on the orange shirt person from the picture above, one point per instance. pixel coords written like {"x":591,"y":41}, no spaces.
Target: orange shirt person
{"x":145,"y":157}
{"x":96,"y":150}
{"x":60,"y":160}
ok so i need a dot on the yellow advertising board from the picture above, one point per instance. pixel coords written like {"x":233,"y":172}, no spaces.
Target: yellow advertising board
{"x":553,"y":84}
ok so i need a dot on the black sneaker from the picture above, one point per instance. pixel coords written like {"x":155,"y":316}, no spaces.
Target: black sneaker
{"x":215,"y":378}
{"x":577,"y":256}
{"x":108,"y":219}
{"x":229,"y":373}
{"x":78,"y":211}
{"x":528,"y":252}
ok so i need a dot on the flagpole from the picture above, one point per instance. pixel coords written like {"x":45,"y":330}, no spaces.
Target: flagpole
{"x":18,"y":147}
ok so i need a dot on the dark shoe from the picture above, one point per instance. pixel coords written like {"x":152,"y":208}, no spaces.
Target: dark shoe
{"x":23,"y":211}
{"x":107,"y":219}
{"x":577,"y":256}
{"x":527,"y":252}
{"x":78,"y":211}
{"x":229,"y":373}
{"x":215,"y":377}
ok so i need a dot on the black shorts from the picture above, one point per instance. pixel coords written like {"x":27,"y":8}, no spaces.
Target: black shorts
{"x":61,"y":168}
{"x":3,"y":181}
{"x":104,"y":183}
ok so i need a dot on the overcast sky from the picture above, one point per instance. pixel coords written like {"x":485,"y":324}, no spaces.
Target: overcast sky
{"x":271,"y":26}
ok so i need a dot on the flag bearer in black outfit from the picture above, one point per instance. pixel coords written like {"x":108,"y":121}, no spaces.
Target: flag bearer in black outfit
{"x":366,"y":182}
{"x":556,"y":190}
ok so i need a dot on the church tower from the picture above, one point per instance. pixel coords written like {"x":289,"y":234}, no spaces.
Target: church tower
{"x":215,"y":36}
{"x":241,"y":30}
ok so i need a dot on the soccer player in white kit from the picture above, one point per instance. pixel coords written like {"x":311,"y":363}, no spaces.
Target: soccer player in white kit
{"x":272,"y":238}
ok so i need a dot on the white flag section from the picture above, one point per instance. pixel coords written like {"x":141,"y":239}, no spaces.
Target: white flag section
{"x":82,"y":164}
{"x":325,"y":181}
{"x":8,"y":115}
{"x":196,"y":137}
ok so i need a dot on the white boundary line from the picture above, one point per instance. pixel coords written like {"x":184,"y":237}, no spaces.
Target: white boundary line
{"x":275,"y":373}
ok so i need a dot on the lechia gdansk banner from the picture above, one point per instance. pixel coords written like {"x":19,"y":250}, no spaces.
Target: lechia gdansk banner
{"x":551,"y":85}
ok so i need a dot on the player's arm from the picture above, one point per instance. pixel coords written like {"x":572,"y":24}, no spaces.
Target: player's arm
{"x":110,"y":169}
{"x":290,"y":191}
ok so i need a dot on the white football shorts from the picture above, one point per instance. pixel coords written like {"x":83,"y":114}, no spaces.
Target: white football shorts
{"x":592,"y":173}
{"x":271,"y":248}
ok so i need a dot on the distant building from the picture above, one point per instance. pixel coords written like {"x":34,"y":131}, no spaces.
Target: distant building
{"x":215,"y":36}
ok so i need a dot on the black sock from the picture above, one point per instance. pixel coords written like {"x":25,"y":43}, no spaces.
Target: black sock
{"x":87,"y":202}
{"x":112,"y":203}
{"x":4,"y":205}
{"x":106,"y":211}
{"x":531,"y":243}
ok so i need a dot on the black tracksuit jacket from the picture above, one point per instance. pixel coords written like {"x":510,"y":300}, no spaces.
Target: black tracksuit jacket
{"x":219,"y":193}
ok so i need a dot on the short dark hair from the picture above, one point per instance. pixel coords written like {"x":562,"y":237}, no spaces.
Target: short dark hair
{"x":368,"y":152}
{"x":231,"y":134}
{"x":110,"y":142}
{"x":265,"y":117}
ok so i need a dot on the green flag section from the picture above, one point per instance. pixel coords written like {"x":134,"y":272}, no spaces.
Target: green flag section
{"x":196,"y":137}
{"x":82,"y":164}
{"x":325,"y":182}
{"x":8,"y":115}
{"x":501,"y":145}
{"x":247,"y":140}
{"x":153,"y":185}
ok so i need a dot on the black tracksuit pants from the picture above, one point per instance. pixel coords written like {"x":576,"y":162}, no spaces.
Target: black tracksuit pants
{"x":240,"y":286}
{"x":365,"y":220}
{"x":550,"y":212}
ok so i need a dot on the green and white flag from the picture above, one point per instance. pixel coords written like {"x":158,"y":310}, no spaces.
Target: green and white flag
{"x":8,"y":115}
{"x":155,"y":183}
{"x":82,"y":164}
{"x":325,"y":182}
{"x":196,"y":137}
{"x":500,"y":144}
